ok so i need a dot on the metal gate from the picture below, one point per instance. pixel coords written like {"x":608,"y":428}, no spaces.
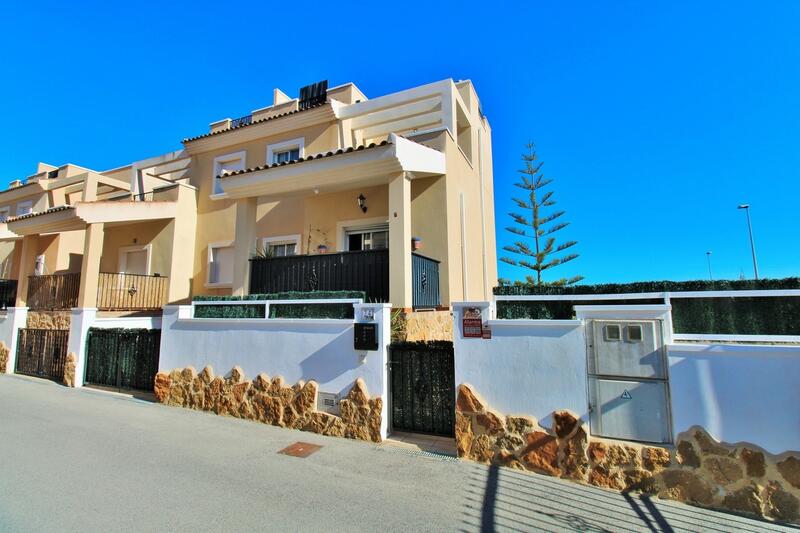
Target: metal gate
{"x":122,"y":358}
{"x":42,"y":352}
{"x":422,"y":387}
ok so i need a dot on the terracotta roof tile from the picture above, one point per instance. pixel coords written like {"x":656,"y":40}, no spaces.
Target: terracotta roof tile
{"x":38,"y":213}
{"x":261,"y":121}
{"x":307,"y":158}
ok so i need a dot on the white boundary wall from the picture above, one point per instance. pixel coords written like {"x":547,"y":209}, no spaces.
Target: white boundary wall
{"x":529,"y":367}
{"x":737,"y":392}
{"x":14,"y":319}
{"x":296,"y":349}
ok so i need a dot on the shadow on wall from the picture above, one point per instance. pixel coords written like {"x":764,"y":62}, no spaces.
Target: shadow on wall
{"x":326,"y":365}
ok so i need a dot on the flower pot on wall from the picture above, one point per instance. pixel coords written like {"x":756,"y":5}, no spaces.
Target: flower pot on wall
{"x":416,"y":243}
{"x":321,"y":249}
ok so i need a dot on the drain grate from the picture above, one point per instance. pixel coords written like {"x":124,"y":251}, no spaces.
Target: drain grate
{"x":300,"y":449}
{"x":419,"y":453}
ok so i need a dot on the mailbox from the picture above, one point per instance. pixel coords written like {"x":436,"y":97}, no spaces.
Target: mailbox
{"x":365,"y":337}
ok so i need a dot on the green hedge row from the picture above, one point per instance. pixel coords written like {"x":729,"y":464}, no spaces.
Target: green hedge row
{"x":650,"y":286}
{"x":729,"y":316}
{"x":298,"y":310}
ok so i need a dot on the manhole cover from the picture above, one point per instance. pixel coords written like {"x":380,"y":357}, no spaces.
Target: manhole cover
{"x":300,"y":449}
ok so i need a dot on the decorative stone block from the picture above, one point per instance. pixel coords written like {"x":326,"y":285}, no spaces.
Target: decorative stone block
{"x":70,"y":364}
{"x":790,"y":470}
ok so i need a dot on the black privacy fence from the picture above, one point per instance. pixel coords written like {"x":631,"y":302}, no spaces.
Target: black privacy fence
{"x":122,"y":358}
{"x":239,"y":308}
{"x":724,"y":315}
{"x":8,"y":293}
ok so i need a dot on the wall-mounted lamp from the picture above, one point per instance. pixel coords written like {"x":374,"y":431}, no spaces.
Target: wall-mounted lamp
{"x":362,"y":203}
{"x":316,"y":190}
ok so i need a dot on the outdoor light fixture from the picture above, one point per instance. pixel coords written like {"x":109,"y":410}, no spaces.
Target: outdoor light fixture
{"x":746,"y":208}
{"x":362,"y":202}
{"x":316,"y":190}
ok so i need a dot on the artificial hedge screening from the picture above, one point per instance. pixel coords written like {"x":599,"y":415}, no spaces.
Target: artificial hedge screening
{"x":779,"y":315}
{"x":298,"y":310}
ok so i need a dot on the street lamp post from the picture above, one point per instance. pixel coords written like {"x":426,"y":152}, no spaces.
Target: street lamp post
{"x":708,"y":257}
{"x":746,"y":208}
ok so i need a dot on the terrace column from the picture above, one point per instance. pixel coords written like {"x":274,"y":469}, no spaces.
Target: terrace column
{"x":400,"y":292}
{"x":244,"y":245}
{"x":30,"y":246}
{"x":90,"y":266}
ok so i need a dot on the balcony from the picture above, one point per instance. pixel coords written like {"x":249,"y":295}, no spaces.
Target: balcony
{"x":366,"y":271}
{"x":115,"y":292}
{"x":131,"y":292}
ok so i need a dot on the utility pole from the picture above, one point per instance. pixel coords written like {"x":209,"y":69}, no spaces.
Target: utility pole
{"x":746,"y":208}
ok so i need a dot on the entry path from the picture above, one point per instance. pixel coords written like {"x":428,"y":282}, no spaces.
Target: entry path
{"x":84,"y":460}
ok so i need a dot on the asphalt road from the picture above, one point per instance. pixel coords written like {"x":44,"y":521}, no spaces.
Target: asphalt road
{"x":85,"y":460}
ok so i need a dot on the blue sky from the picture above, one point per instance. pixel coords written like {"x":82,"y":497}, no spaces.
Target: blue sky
{"x":656,"y":119}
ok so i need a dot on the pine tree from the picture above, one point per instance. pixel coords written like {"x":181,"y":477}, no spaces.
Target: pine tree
{"x":539,"y":227}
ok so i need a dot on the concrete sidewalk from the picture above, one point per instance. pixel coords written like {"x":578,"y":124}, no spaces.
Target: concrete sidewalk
{"x":78,"y":459}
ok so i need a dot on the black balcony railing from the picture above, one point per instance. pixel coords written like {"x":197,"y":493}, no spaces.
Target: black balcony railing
{"x":8,"y":293}
{"x":366,"y":271}
{"x":425,"y":282}
{"x":242,"y":121}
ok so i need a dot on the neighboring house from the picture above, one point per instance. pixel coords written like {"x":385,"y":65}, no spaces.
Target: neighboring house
{"x":75,"y":238}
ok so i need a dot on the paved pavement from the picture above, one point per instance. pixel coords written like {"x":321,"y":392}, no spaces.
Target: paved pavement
{"x":84,"y":460}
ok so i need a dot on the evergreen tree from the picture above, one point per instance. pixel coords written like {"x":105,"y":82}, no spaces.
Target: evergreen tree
{"x":538,"y":226}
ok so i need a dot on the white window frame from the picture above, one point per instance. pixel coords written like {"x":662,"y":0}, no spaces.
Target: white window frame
{"x":283,"y":146}
{"x":356,"y":225}
{"x":209,"y":283}
{"x":27,"y":204}
{"x":123,"y":256}
{"x":218,"y":162}
{"x":5,"y":210}
{"x":282,"y":239}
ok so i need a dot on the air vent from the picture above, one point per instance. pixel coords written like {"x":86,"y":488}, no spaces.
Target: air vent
{"x":328,"y":402}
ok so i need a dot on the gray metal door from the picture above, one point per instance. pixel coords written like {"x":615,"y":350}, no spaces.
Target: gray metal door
{"x":628,"y":381}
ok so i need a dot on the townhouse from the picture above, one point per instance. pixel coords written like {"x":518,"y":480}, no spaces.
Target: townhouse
{"x":330,"y":190}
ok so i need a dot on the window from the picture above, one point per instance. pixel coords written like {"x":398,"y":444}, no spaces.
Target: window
{"x":23,"y":208}
{"x":286,"y":151}
{"x":5,"y":212}
{"x":281,"y":246}
{"x":285,"y":156}
{"x":612,"y":332}
{"x":225,"y":164}
{"x":375,"y":238}
{"x":220,"y":264}
{"x":634,"y":333}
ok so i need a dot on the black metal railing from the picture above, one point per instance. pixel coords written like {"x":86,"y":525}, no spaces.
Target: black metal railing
{"x":425,"y":282}
{"x":242,"y":121}
{"x":42,"y":352}
{"x":54,"y":291}
{"x":8,"y":293}
{"x":130,"y":292}
{"x":366,"y":271}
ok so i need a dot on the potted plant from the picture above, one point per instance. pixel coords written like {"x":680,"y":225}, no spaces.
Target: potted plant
{"x":322,"y":248}
{"x":416,"y":243}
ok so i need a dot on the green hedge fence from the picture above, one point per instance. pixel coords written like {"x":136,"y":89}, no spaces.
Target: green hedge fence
{"x":298,"y":310}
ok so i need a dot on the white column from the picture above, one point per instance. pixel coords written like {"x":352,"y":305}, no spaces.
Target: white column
{"x":81,"y":320}
{"x":400,"y":293}
{"x":378,"y":362}
{"x":16,"y":318}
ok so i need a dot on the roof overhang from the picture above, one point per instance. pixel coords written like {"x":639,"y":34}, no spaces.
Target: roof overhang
{"x":6,"y":234}
{"x":370,"y":166}
{"x":69,"y":218}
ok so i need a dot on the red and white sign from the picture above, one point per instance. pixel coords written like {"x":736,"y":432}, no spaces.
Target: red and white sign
{"x":472,"y":328}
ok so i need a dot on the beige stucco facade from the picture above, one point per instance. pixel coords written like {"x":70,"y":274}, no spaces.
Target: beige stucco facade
{"x":419,"y":160}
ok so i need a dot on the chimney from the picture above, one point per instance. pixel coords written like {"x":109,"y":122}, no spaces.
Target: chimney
{"x":279,"y":97}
